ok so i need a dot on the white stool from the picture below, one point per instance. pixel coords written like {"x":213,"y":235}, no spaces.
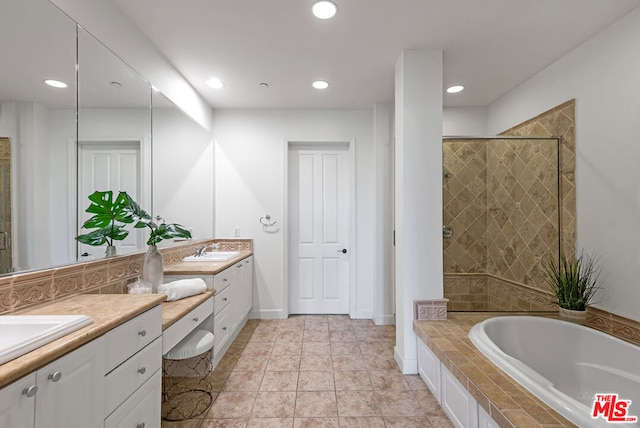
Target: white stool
{"x":186,"y":380}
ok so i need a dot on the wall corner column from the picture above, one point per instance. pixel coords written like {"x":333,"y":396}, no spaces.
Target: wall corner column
{"x":418,"y":192}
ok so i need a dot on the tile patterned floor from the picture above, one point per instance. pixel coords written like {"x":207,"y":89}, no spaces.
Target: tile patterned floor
{"x":316,"y":371}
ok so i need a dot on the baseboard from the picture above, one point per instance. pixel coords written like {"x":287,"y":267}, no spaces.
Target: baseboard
{"x":384,"y":320}
{"x":268,"y":314}
{"x":361,"y":315}
{"x":407,"y":366}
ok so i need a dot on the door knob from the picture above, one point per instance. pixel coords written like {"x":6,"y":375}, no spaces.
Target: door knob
{"x":343,"y":251}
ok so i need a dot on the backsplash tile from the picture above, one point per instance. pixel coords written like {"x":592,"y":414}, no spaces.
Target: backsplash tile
{"x":104,"y":276}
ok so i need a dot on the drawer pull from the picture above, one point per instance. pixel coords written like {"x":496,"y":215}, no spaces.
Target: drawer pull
{"x":224,"y":328}
{"x":141,"y":425}
{"x":224,"y":279}
{"x":54,"y":377}
{"x":31,"y":391}
{"x":225,"y":299}
{"x":142,"y":333}
{"x":142,"y":370}
{"x":195,"y":319}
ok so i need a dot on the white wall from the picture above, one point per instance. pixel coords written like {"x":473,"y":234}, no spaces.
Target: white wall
{"x":250,"y":183}
{"x":464,"y":121}
{"x":603,"y":75}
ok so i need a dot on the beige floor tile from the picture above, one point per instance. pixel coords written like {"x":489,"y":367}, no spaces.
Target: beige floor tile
{"x":316,"y":326}
{"x":380,"y":362}
{"x":286,"y":348}
{"x":427,"y":401}
{"x":257,"y":348}
{"x":274,"y":405}
{"x":270,"y":423}
{"x":362,"y":422}
{"x":218,"y":379}
{"x":316,"y":404}
{"x":362,"y":324}
{"x":189,"y":423}
{"x":440,"y":422}
{"x":224,"y":423}
{"x":316,"y":348}
{"x":243,"y":381}
{"x":407,"y":422}
{"x":367,"y":334}
{"x":290,"y":335}
{"x":348,"y":362}
{"x":377,"y":347}
{"x":357,"y":403}
{"x":315,"y":362}
{"x":352,"y":380}
{"x":315,"y":423}
{"x":316,"y":336}
{"x":399,"y":403}
{"x":250,"y":363}
{"x":342,"y":336}
{"x":283,"y":363}
{"x":345,"y":348}
{"x":232,"y":405}
{"x":264,"y":336}
{"x":416,"y":383}
{"x":388,"y":380}
{"x":279,"y":381}
{"x":316,"y":381}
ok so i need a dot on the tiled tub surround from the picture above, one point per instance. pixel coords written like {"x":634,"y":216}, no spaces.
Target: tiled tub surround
{"x":105,"y":276}
{"x":506,"y":401}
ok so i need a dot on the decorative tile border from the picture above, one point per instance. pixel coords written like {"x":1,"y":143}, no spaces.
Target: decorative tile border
{"x":615,"y":325}
{"x":104,"y":276}
{"x":435,"y":309}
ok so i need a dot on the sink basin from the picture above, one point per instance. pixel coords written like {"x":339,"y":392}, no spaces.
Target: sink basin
{"x":20,"y":334}
{"x":213,"y":256}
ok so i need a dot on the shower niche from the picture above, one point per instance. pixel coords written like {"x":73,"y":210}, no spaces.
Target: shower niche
{"x":501,"y":219}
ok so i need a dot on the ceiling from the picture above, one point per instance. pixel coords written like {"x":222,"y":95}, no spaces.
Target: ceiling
{"x":490,"y":46}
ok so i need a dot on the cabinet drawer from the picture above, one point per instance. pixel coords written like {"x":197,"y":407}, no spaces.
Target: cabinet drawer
{"x":130,"y":337}
{"x":221,"y":327}
{"x":185,"y":325}
{"x":128,"y":377}
{"x":142,"y":409}
{"x":222,"y":299}
{"x":224,"y":279}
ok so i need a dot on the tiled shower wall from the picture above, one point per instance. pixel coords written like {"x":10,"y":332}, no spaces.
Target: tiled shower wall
{"x":501,"y":200}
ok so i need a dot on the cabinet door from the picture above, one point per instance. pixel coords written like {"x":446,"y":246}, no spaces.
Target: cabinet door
{"x":17,"y":403}
{"x":71,"y":389}
{"x":247,"y":285}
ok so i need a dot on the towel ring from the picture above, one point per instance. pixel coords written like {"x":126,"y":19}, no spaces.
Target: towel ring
{"x":266,"y":221}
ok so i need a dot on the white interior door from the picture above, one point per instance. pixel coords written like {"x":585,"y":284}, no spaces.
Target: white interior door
{"x":319,"y":232}
{"x":108,"y":166}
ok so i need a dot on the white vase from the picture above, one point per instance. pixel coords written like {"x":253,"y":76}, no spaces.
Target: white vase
{"x":152,"y":268}
{"x":578,"y":317}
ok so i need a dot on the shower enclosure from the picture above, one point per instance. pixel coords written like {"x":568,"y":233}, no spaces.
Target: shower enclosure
{"x":502,"y":219}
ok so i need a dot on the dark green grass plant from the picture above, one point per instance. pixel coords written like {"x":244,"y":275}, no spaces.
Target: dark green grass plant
{"x":573,"y":281}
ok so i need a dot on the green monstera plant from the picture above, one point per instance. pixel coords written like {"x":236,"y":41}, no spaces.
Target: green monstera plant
{"x":112,"y":215}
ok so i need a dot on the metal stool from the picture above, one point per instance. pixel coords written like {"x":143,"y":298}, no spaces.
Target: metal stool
{"x":186,"y":380}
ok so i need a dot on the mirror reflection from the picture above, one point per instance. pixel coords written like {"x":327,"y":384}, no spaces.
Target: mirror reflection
{"x":114,"y":137}
{"x":37,"y":122}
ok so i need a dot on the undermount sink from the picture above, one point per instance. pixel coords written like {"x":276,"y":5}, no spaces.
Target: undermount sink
{"x":213,"y":256}
{"x":20,"y":334}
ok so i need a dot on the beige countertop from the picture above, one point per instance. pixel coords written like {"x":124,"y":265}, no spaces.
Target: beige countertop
{"x":107,"y":312}
{"x":508,"y":403}
{"x":203,"y":268}
{"x":173,"y":311}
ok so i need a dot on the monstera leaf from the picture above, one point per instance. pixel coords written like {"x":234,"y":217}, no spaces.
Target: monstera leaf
{"x":106,"y":210}
{"x":167,"y":231}
{"x":105,"y":235}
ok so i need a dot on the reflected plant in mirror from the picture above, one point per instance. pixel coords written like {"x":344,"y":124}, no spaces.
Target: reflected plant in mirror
{"x":112,"y":215}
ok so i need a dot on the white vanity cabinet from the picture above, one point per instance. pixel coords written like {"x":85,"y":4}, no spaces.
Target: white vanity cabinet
{"x":68,"y":392}
{"x":132,"y":369}
{"x":232,"y":304}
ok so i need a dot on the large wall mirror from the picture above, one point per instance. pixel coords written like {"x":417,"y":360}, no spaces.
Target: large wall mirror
{"x":58,"y":145}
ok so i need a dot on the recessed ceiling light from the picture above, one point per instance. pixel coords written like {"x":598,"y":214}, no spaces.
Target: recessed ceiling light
{"x":324,"y":9}
{"x":320,"y":84}
{"x":55,"y":83}
{"x":215,"y":83}
{"x":455,"y":89}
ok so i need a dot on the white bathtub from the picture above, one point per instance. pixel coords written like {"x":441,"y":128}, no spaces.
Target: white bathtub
{"x":562,"y":363}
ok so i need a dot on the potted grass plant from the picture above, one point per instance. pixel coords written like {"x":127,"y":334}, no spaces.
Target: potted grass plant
{"x":574,"y":283}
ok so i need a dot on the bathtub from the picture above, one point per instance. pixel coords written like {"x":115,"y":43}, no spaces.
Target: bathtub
{"x":563,"y":364}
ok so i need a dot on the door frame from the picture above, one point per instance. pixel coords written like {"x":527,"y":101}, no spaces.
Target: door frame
{"x":349,"y":142}
{"x":146,"y":179}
